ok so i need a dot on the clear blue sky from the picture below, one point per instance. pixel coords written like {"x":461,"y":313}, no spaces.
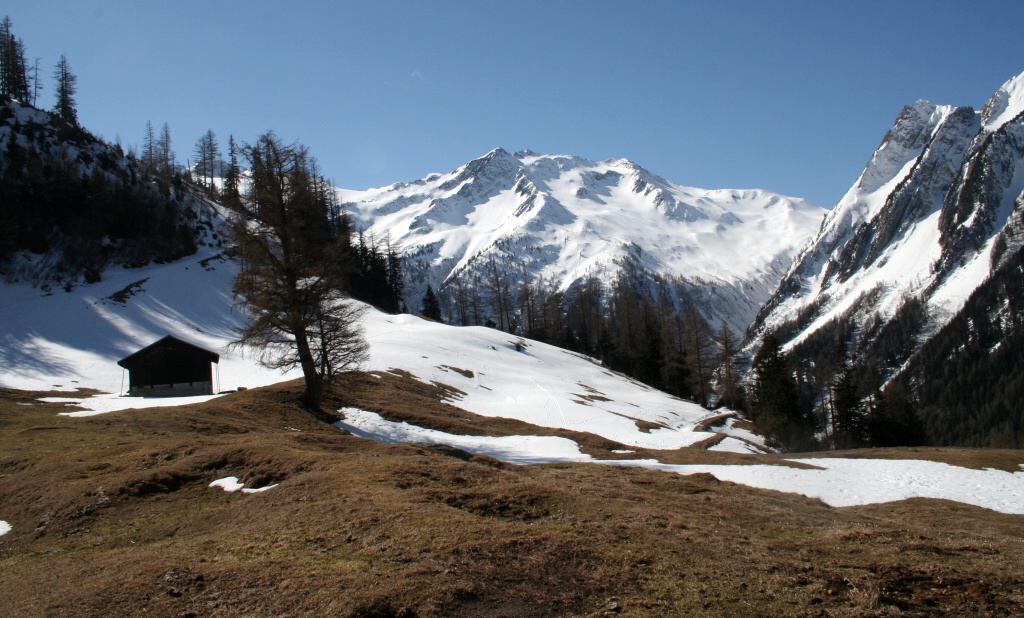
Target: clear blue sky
{"x":785,"y":95}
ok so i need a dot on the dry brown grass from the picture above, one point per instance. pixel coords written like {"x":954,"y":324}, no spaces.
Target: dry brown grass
{"x":112,"y":516}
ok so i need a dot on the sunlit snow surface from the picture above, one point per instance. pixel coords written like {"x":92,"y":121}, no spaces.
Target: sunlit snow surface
{"x":515,"y":449}
{"x":71,"y":340}
{"x":564,"y":219}
{"x":102,"y":404}
{"x":232,"y":484}
{"x":539,"y":384}
{"x":838,"y":482}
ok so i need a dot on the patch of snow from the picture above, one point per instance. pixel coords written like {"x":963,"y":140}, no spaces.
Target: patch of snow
{"x":735,"y":445}
{"x":228,"y":483}
{"x":104,"y":403}
{"x":837,"y":482}
{"x":855,"y":482}
{"x":513,"y":449}
{"x":742,"y":435}
{"x":231,"y":484}
{"x":256,"y":490}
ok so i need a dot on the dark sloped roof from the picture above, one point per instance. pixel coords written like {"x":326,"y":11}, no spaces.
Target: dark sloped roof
{"x":166,"y":342}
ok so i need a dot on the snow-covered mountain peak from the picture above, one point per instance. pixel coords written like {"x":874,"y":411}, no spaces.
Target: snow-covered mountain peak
{"x":565,"y":219}
{"x":922,"y":224}
{"x":899,"y":152}
{"x":1005,"y":105}
{"x":496,"y":165}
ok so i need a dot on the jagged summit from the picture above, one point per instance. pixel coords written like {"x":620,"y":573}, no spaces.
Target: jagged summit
{"x":566,"y":218}
{"x":1006,"y":104}
{"x":921,"y":222}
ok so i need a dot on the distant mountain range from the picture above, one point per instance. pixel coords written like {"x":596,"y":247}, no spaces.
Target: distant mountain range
{"x":567,"y":219}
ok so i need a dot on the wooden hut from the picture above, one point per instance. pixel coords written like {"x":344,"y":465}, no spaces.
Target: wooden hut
{"x":170,"y":368}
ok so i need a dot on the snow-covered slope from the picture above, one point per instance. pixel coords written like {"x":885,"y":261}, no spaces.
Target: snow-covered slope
{"x":920,"y":222}
{"x":565,"y":219}
{"x":68,"y":340}
{"x":73,"y":339}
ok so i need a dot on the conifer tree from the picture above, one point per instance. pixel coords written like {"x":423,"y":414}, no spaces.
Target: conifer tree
{"x":849,"y":420}
{"x":37,"y":84}
{"x":776,"y":408}
{"x":396,"y":278}
{"x":67,"y":86}
{"x":893,"y":419}
{"x":149,"y":147}
{"x":730,"y":393}
{"x":431,"y":307}
{"x":13,"y":68}
{"x":207,"y":154}
{"x":230,"y":195}
{"x":163,"y":154}
{"x":701,"y":351}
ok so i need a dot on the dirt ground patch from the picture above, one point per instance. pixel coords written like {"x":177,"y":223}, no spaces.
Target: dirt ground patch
{"x":112,"y":515}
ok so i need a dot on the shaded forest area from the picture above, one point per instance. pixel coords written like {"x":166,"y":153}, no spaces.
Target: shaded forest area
{"x":70,"y":195}
{"x":639,"y":323}
{"x":865,"y":386}
{"x":969,"y":377}
{"x":75,"y":202}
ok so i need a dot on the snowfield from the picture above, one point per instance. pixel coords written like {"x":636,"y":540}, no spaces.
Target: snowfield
{"x":837,"y":482}
{"x":72,"y":339}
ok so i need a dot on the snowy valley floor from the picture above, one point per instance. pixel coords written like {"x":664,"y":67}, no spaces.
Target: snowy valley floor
{"x":138,"y":510}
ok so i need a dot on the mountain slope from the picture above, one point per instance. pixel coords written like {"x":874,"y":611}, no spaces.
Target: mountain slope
{"x":73,"y":340}
{"x":566,"y":219}
{"x":476,"y":389}
{"x":921,"y":219}
{"x":73,"y":205}
{"x":936,"y":210}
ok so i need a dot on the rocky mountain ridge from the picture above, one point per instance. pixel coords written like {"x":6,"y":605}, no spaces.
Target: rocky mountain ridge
{"x":908,"y":259}
{"x":566,"y":219}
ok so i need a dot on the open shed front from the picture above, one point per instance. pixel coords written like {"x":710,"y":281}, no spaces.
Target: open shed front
{"x":170,"y":368}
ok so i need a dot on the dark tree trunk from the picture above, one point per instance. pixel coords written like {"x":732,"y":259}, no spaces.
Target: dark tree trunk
{"x":314,"y":393}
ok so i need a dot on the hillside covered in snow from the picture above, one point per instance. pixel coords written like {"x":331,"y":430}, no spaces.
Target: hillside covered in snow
{"x":72,"y":340}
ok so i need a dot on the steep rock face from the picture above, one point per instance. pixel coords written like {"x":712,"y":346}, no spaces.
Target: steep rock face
{"x":983,"y":194}
{"x":922,"y":223}
{"x":567,"y":219}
